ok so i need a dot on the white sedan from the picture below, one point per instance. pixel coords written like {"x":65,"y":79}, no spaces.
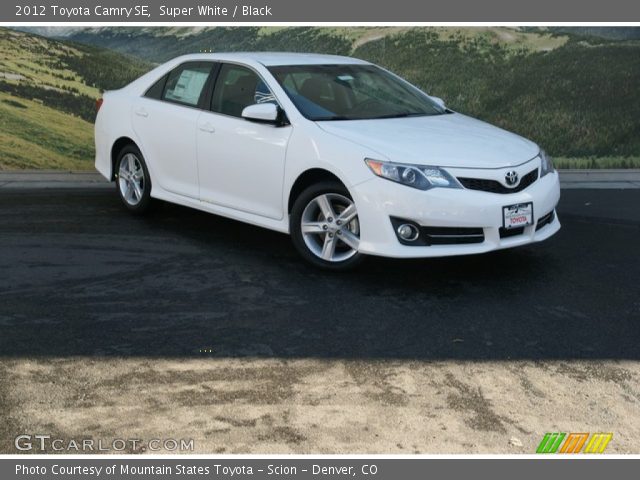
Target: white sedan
{"x":346,"y":157}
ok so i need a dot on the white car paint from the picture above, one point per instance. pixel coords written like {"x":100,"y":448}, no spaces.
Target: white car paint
{"x":158,"y":136}
{"x":442,"y":140}
{"x":238,"y":160}
{"x":245,"y":170}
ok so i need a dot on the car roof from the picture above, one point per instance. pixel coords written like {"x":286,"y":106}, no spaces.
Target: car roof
{"x":276,"y":58}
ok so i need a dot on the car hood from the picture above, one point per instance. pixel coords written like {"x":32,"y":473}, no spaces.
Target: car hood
{"x":448,"y":140}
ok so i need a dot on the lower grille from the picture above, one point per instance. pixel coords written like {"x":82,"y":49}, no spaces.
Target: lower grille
{"x":438,"y":235}
{"x":511,"y":232}
{"x":545,"y":220}
{"x":451,"y":235}
{"x":493,"y":186}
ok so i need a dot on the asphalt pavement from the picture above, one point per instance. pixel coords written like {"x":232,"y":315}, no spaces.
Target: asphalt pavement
{"x":185,"y":323}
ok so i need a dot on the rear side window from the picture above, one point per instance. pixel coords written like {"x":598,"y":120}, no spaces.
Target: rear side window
{"x":238,"y":87}
{"x":156,"y":89}
{"x":186,"y":83}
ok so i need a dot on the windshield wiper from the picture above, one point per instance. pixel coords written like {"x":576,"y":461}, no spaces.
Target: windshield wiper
{"x":333,"y":117}
{"x":401,"y":115}
{"x":391,"y":115}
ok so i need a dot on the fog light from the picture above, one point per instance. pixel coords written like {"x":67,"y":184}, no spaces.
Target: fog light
{"x":408,"y":232}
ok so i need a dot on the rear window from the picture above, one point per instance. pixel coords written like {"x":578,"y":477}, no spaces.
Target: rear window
{"x":185,"y":84}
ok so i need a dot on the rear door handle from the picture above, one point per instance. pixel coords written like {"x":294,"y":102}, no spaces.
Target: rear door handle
{"x":207,"y":127}
{"x":141,"y":112}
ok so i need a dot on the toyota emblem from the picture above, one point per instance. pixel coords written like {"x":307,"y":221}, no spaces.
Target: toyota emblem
{"x":511,"y":177}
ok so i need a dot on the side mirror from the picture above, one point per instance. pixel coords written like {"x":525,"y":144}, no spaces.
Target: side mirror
{"x":439,"y":101}
{"x":262,"y":112}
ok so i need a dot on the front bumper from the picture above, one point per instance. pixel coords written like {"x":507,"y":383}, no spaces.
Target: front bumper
{"x":378,"y":199}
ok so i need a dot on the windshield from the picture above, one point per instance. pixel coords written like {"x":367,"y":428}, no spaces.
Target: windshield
{"x":351,"y":92}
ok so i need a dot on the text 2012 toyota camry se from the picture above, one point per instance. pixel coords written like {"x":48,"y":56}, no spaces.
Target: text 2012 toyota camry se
{"x":346,"y":157}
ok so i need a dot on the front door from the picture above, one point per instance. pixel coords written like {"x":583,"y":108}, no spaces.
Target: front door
{"x":240,"y":162}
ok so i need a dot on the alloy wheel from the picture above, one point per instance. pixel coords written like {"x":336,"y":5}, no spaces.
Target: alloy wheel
{"x":131,"y":179}
{"x":330,"y":227}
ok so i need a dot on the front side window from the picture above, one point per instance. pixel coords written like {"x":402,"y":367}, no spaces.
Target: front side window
{"x":185,"y":84}
{"x":238,"y":87}
{"x":351,"y":92}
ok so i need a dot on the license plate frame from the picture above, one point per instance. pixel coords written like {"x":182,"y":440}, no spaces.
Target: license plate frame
{"x":515,"y":211}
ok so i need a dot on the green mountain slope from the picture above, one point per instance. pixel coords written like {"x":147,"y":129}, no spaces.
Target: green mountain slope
{"x":580,"y":99}
{"x":47,"y":98}
{"x":159,"y":44}
{"x":576,"y":95}
{"x":35,"y":136}
{"x":614,"y":33}
{"x":572,"y":90}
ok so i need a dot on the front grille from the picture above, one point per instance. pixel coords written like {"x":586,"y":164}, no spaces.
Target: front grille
{"x":545,"y":220}
{"x":511,"y":232}
{"x":451,"y":235}
{"x":493,"y":186}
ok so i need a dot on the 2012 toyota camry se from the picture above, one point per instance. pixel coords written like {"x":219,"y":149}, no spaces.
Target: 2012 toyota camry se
{"x":348,"y":158}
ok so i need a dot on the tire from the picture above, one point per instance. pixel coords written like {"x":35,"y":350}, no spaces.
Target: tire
{"x":132,"y":180}
{"x":331,"y":235}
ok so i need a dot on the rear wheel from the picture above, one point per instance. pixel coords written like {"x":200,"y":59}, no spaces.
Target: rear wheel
{"x":132,"y":180}
{"x":325,"y":228}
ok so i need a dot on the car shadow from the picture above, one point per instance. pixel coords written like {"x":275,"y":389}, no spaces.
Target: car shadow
{"x":183,"y":283}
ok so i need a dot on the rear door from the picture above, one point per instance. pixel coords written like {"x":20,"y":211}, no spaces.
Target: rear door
{"x":165,"y":120}
{"x":240,"y":162}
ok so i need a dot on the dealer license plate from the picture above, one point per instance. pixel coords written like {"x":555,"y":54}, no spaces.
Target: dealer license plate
{"x":518,"y":215}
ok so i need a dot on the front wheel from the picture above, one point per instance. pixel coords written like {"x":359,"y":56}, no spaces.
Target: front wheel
{"x":133,"y":182}
{"x":325,"y":228}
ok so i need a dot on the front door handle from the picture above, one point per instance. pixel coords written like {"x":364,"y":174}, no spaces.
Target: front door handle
{"x":141,"y":112}
{"x":207,"y":127}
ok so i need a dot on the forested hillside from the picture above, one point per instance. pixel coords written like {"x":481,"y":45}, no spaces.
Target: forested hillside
{"x":574,"y":93}
{"x":48,"y":91}
{"x":572,"y":90}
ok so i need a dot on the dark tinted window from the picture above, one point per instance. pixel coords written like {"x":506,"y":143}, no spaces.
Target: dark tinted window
{"x":186,"y":83}
{"x":156,"y":89}
{"x":238,"y":87}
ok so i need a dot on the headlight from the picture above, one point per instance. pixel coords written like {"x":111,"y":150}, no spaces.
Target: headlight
{"x":416,"y":176}
{"x":546,"y":164}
